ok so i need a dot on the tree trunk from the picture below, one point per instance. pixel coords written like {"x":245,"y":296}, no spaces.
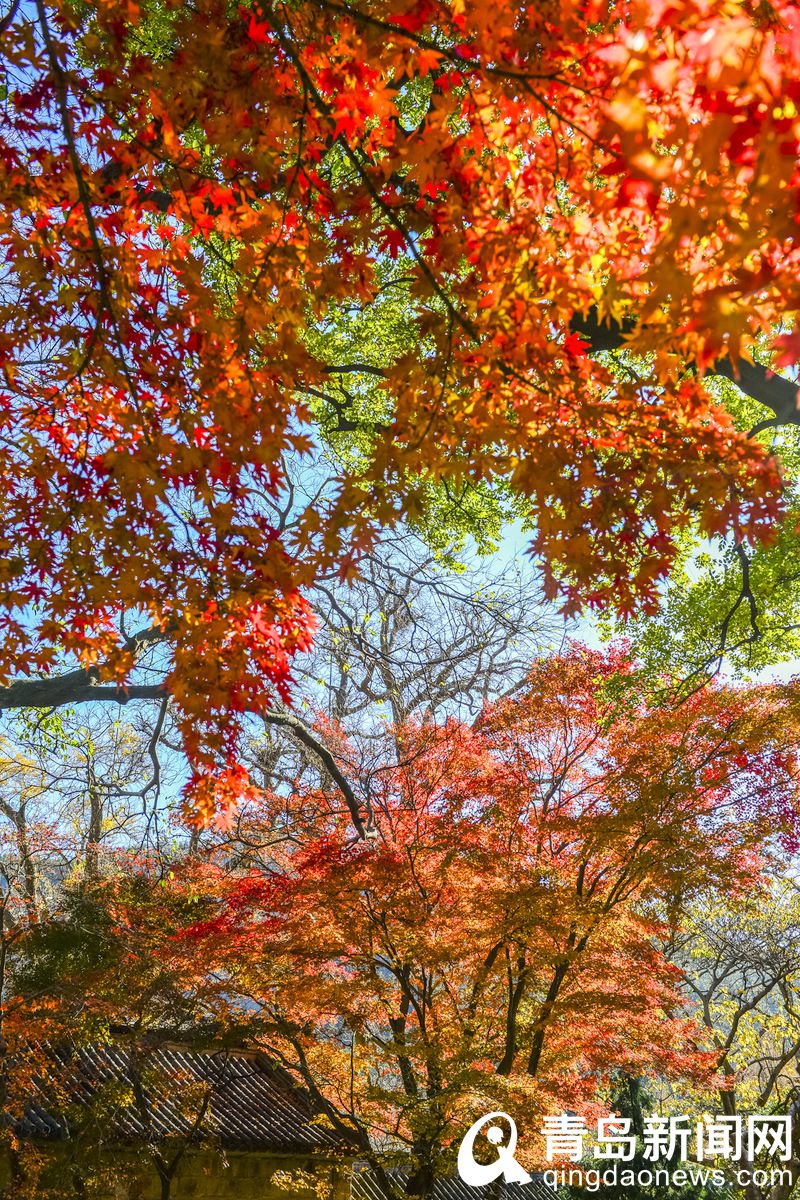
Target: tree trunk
{"x":547,"y":1008}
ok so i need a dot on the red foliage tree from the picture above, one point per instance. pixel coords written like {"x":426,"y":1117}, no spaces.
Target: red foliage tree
{"x":499,"y":945}
{"x":188,"y":192}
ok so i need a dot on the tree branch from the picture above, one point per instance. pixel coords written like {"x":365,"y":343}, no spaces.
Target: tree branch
{"x":74,"y":688}
{"x":322,"y":752}
{"x":83,"y":685}
{"x":775,"y":392}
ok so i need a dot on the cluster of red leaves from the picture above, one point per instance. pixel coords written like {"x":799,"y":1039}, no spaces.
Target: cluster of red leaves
{"x":642,"y":160}
{"x":501,"y":941}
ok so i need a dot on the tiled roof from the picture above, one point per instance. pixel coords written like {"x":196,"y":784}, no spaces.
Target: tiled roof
{"x":253,"y":1105}
{"x":364,"y":1186}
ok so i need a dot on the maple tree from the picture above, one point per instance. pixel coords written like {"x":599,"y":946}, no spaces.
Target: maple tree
{"x":208,"y":212}
{"x":500,"y":944}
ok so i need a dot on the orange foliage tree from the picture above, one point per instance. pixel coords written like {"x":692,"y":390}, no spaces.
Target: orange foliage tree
{"x":499,"y":945}
{"x":192,"y":197}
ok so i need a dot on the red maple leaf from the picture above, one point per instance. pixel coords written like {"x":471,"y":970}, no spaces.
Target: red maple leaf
{"x":393,"y":241}
{"x":575,"y":346}
{"x":258,"y":31}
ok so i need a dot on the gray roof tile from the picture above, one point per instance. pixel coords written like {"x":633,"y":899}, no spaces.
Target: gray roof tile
{"x":253,"y":1104}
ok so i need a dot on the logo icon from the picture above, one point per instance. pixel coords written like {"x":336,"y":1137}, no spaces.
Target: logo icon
{"x":479,"y":1174}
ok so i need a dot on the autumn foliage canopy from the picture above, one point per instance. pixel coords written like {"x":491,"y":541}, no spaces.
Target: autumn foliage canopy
{"x":193,"y":195}
{"x":501,"y":943}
